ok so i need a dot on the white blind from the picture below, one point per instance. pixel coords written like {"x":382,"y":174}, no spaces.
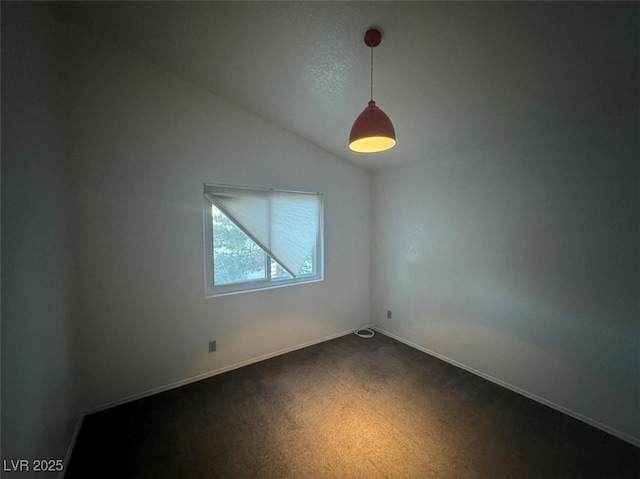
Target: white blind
{"x":283,"y":223}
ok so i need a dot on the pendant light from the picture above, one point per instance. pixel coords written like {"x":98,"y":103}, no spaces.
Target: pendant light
{"x":372,"y":131}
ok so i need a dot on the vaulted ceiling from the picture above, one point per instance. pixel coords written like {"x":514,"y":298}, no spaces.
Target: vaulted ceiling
{"x":452,"y":76}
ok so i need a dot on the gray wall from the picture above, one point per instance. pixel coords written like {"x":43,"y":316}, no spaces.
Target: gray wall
{"x":519,"y":261}
{"x":143,"y":143}
{"x":37,"y":258}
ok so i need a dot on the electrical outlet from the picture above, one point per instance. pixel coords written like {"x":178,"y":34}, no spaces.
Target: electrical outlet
{"x":212,"y":346}
{"x":388,"y":314}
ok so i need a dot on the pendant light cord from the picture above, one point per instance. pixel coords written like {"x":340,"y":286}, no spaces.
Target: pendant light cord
{"x":371,"y":73}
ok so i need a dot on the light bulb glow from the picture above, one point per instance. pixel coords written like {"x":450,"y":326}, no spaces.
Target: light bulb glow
{"x":372,"y":144}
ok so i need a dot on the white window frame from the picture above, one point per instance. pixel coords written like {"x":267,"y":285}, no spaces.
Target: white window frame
{"x":213,"y":290}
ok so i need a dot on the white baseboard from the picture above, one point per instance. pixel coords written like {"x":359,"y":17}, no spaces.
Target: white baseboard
{"x":592,"y":422}
{"x":215,"y":372}
{"x":184,"y":382}
{"x":190,"y":380}
{"x":72,"y":443}
{"x":151,"y":392}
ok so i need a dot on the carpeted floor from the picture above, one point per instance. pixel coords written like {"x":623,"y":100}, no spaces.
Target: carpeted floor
{"x":346,"y":408}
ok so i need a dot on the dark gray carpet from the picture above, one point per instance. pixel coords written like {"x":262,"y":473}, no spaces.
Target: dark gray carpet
{"x":346,"y":408}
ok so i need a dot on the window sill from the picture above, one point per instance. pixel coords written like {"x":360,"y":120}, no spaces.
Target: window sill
{"x":249,"y":288}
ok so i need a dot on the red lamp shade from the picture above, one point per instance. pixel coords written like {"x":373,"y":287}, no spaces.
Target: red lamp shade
{"x":372,"y":131}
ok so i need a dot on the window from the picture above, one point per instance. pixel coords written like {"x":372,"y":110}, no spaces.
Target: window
{"x":260,"y":238}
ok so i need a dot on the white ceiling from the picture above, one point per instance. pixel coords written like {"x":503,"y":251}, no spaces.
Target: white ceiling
{"x":451,"y":76}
